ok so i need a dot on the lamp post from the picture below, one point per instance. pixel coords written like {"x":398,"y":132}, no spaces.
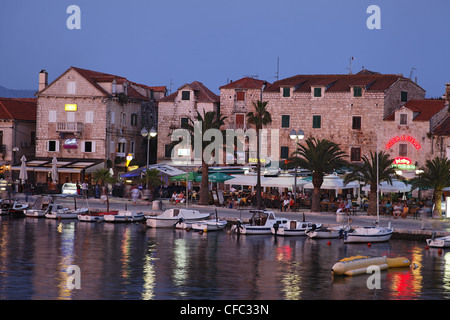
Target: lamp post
{"x":148,"y":134}
{"x":296,"y":136}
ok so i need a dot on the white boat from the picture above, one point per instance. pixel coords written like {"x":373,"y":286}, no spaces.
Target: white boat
{"x":13,"y":207}
{"x":95,"y":216}
{"x":369,"y":234}
{"x":40,"y":213}
{"x":261,"y":222}
{"x":326,"y":233}
{"x":441,"y":242}
{"x":124,"y":216}
{"x":208,"y":225}
{"x":65,"y":213}
{"x":294,"y":228}
{"x":171,"y":218}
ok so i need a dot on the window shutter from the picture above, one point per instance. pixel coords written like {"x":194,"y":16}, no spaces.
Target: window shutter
{"x":52,"y":116}
{"x":89,"y":118}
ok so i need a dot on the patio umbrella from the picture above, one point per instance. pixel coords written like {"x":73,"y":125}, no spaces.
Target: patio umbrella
{"x":23,"y":170}
{"x":54,"y":171}
{"x":217,"y":177}
{"x":396,"y":186}
{"x":192,"y":176}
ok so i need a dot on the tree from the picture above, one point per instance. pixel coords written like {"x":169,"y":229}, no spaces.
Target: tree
{"x":436,"y":176}
{"x":259,"y":117}
{"x":202,"y":123}
{"x":320,"y":156}
{"x":366,"y":172}
{"x":104,"y":177}
{"x":152,"y":179}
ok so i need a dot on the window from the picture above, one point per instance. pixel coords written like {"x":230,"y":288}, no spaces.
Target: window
{"x":33,"y":138}
{"x":113,"y":117}
{"x":70,"y":116}
{"x":286,"y":92}
{"x":124,"y":118}
{"x":355,"y":154}
{"x":240,"y":96}
{"x":403,"y":150}
{"x":71,"y":87}
{"x":403,"y":119}
{"x":121,"y":147}
{"x":167,"y":151}
{"x":239,"y":121}
{"x":132,"y":147}
{"x":404,"y":96}
{"x":285,"y":118}
{"x":185,"y":95}
{"x":134,"y":119}
{"x":317,"y":92}
{"x":357,"y":92}
{"x":284,"y":153}
{"x":184,"y":121}
{"x":88,"y":146}
{"x":52,"y":116}
{"x":89,"y":117}
{"x":52,"y":146}
{"x":356,"y":123}
{"x":317,"y":122}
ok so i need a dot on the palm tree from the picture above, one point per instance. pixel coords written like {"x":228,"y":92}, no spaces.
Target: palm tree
{"x":320,"y":156}
{"x":436,"y":176}
{"x":152,"y":179}
{"x":366,"y":172}
{"x":259,"y":117}
{"x":202,"y":123}
{"x":104,"y":177}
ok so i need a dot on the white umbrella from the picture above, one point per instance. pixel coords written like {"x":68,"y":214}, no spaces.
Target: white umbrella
{"x":397,"y":186}
{"x":54,"y":171}
{"x":333,"y":181}
{"x":23,"y":170}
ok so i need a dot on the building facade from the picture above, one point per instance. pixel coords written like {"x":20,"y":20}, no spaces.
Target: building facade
{"x":92,"y":117}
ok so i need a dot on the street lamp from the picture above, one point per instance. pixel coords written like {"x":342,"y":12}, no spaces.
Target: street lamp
{"x":296,"y":136}
{"x":148,"y":134}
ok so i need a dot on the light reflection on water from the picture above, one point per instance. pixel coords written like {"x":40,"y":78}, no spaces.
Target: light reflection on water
{"x":130,"y":261}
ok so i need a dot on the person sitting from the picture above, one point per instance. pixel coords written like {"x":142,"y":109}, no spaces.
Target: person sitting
{"x":286,"y":204}
{"x":397,"y":210}
{"x":405,"y":211}
{"x":173,"y":198}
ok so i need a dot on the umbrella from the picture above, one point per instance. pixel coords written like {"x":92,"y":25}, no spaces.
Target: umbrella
{"x":397,"y":186}
{"x":54,"y":170}
{"x":192,"y":176}
{"x":23,"y":170}
{"x":217,"y":177}
{"x":333,"y":181}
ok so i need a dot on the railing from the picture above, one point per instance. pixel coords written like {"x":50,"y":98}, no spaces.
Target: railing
{"x":69,"y":126}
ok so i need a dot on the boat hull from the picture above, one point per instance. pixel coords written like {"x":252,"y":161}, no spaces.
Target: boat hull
{"x":361,"y":235}
{"x":95,"y":216}
{"x":35,"y":213}
{"x":175,"y":218}
{"x":442,"y":242}
{"x":125,"y":216}
{"x":208,"y":225}
{"x":294,"y":228}
{"x":256,"y":230}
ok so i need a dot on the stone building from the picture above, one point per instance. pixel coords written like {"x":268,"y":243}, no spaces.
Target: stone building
{"x":347,"y":109}
{"x":89,"y":119}
{"x":177,"y":108}
{"x":17,"y":132}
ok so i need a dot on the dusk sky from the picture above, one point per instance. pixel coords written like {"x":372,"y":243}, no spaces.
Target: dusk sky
{"x":172,"y":42}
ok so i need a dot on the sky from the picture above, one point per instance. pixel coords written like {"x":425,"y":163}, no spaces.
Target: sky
{"x":173,"y":42}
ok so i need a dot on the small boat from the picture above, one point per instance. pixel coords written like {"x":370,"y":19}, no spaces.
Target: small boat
{"x":208,"y":225}
{"x":261,"y":222}
{"x":12,"y":207}
{"x":176,"y":216}
{"x":369,"y":234}
{"x":327,"y":233}
{"x":294,"y":228}
{"x":64,"y":213}
{"x":356,"y":265}
{"x":95,"y":216}
{"x":124,"y":216}
{"x":440,"y":242}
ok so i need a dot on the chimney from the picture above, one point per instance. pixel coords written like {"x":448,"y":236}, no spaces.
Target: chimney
{"x":43,"y":79}
{"x":447,"y":92}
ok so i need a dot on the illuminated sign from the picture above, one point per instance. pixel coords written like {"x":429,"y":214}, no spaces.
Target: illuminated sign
{"x":403,"y":163}
{"x":70,"y":144}
{"x":70,"y":107}
{"x":403,"y":138}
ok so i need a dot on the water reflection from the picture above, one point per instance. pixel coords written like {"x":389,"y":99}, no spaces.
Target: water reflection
{"x":130,"y":261}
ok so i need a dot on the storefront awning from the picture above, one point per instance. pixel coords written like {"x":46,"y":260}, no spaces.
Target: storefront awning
{"x":64,"y":165}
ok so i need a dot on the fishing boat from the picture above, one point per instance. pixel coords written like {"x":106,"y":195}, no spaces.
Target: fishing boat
{"x":12,"y":207}
{"x":261,"y":222}
{"x":440,"y":242}
{"x":95,"y":216}
{"x":294,"y":228}
{"x":327,"y":233}
{"x":65,"y":213}
{"x":369,"y":234}
{"x":124,"y":216}
{"x":171,"y":218}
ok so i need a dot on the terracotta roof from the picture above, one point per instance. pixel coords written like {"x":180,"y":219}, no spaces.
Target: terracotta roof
{"x":443,"y":128}
{"x":202,"y":93}
{"x":245,"y":83}
{"x":18,"y":109}
{"x":338,"y":82}
{"x":425,"y":109}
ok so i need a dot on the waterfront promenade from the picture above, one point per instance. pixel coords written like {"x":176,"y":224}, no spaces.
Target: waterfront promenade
{"x":408,"y":228}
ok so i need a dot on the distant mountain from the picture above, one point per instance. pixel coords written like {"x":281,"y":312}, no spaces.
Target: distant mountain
{"x":11,"y":93}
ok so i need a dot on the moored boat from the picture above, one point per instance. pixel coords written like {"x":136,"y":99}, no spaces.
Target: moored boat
{"x":95,"y":216}
{"x":261,"y":222}
{"x":124,"y":216}
{"x":294,"y":228}
{"x":369,"y":234}
{"x":326,"y":233}
{"x":59,"y":212}
{"x":208,"y":225}
{"x":440,"y":242}
{"x":171,"y":218}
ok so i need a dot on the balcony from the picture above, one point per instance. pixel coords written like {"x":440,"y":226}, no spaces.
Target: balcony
{"x":75,"y":127}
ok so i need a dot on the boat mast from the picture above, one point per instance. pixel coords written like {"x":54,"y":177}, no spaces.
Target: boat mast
{"x":378,"y":177}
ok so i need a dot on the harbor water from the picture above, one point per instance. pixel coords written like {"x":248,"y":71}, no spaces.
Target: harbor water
{"x":132,"y":262}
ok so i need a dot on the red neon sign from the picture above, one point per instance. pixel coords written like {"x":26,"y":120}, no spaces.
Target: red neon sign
{"x":402,"y":160}
{"x":403,"y":138}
